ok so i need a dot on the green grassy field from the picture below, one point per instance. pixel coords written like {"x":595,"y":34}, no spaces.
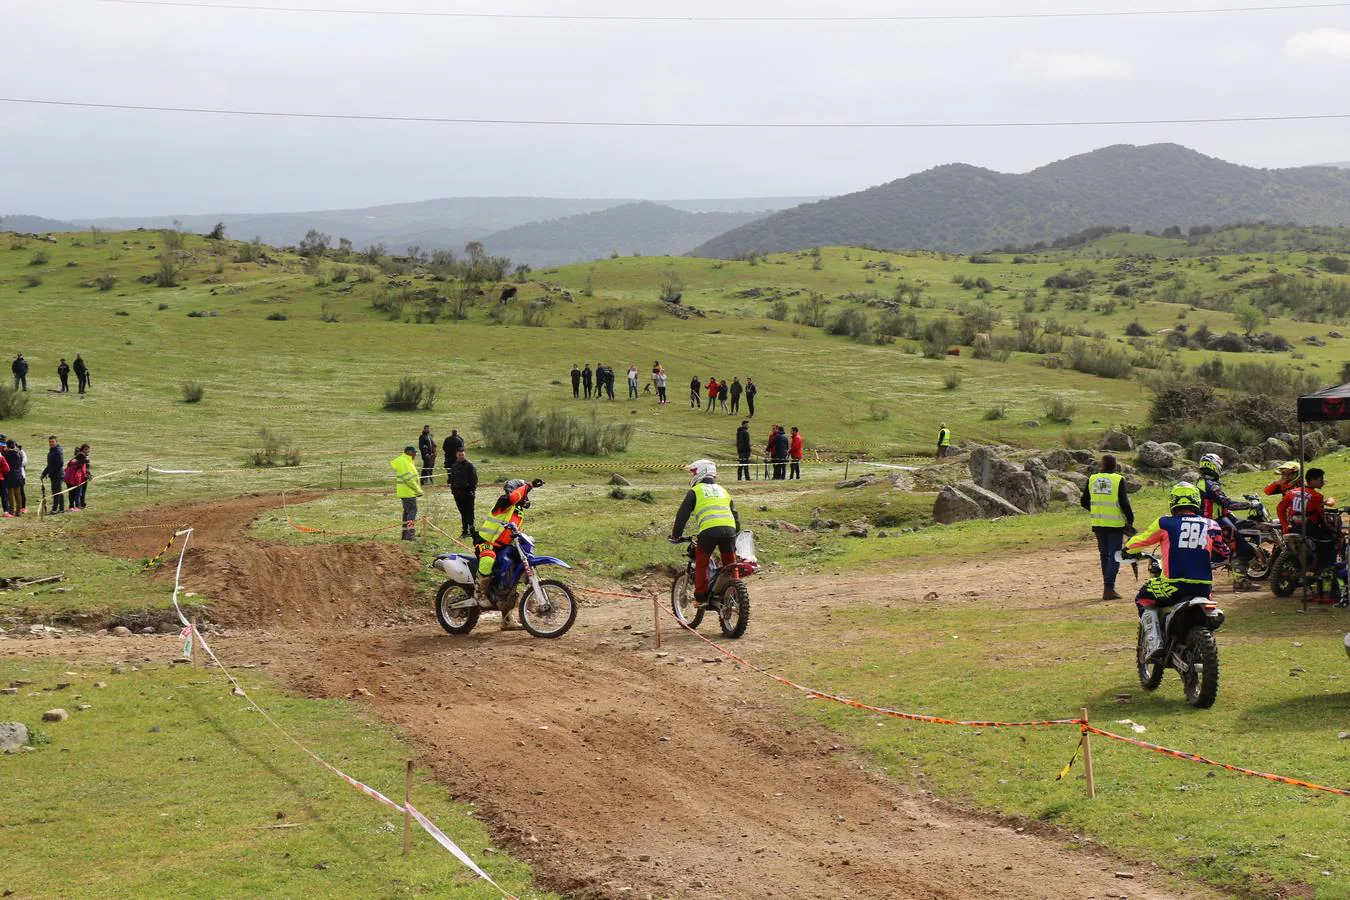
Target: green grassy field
{"x":168,"y":786}
{"x":318,"y":376}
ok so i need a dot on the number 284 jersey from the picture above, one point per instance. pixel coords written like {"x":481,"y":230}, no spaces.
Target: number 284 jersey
{"x":1185,"y":543}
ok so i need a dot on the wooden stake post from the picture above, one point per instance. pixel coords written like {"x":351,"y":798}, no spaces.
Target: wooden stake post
{"x":407,"y":813}
{"x":193,"y":651}
{"x":656,"y":620}
{"x":1087,"y":759}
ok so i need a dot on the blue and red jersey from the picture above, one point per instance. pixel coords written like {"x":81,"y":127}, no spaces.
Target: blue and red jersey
{"x":1185,"y":544}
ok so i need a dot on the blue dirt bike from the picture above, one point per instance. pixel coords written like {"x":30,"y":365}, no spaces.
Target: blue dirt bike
{"x":547,"y":607}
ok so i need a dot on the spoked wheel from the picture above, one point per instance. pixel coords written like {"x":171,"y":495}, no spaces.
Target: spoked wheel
{"x":1201,"y":675}
{"x":1287,"y":574}
{"x":733,"y":609}
{"x":1150,"y":674}
{"x":1259,"y":566}
{"x":455,"y":621}
{"x":682,"y":601}
{"x":550,"y":611}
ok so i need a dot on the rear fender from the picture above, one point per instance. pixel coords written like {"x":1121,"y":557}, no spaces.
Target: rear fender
{"x":458,"y":567}
{"x":1196,"y":611}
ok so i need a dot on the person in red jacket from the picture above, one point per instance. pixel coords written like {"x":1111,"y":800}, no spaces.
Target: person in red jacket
{"x":795,"y":454}
{"x":1286,"y":477}
{"x":1301,"y":510}
{"x":713,"y":388}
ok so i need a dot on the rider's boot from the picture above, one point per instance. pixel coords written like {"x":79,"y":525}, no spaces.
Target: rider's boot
{"x":480,"y":592}
{"x":1152,"y":634}
{"x":1241,"y":580}
{"x":508,"y":621}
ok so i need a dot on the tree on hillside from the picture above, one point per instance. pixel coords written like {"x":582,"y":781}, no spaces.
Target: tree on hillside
{"x":314,"y":244}
{"x":1248,"y":316}
{"x":217,"y":233}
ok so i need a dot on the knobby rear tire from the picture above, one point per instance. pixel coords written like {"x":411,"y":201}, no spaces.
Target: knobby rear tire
{"x":455,"y":621}
{"x":1202,"y":650}
{"x":1287,"y":575}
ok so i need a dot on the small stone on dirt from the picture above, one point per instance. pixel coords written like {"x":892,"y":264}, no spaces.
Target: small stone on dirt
{"x":100,"y":684}
{"x":1124,"y":874}
{"x":9,"y":692}
{"x":154,"y":729}
{"x":55,"y":715}
{"x":149,"y":629}
{"x":238,"y":692}
{"x":120,"y":631}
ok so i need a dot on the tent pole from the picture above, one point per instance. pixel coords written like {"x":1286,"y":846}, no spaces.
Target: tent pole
{"x":1303,"y":521}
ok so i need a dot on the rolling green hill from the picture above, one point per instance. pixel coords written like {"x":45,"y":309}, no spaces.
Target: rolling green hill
{"x":964,"y":208}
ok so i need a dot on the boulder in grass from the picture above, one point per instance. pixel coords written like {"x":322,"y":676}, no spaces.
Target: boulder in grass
{"x":953,"y":505}
{"x":1153,"y":455}
{"x":1116,"y":442}
{"x":1276,"y":450}
{"x":991,"y":505}
{"x":1225,"y":452}
{"x":13,"y":735}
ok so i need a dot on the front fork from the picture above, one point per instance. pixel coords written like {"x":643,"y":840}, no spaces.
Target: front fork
{"x":532,"y":575}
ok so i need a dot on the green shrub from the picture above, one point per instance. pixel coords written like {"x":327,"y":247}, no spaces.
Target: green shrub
{"x":779,"y":311}
{"x":633,"y":319}
{"x":1104,"y":361}
{"x":276,"y":450}
{"x":618,"y":493}
{"x":876,"y":412}
{"x":277,"y":317}
{"x":39,"y":258}
{"x":853,"y":323}
{"x":1060,"y":411}
{"x":936,"y":339}
{"x":193,"y":391}
{"x":515,"y":427}
{"x":952,"y":381}
{"x":106,"y":281}
{"x":13,"y":404}
{"x":32,"y":280}
{"x":411,"y":394}
{"x":534,"y":316}
{"x":996,"y":412}
{"x":811,"y":312}
{"x":1135,"y":329}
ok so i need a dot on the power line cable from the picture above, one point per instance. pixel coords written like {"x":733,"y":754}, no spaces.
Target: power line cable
{"x":624,"y":17}
{"x":608,"y":123}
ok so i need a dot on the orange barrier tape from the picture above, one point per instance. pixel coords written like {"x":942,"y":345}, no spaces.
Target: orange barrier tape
{"x":1195,"y":757}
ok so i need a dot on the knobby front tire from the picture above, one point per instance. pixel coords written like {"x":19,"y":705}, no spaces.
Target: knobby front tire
{"x":551,"y":615}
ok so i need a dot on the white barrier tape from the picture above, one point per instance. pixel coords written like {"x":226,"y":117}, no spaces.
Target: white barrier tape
{"x":439,"y":837}
{"x":427,"y":825}
{"x":175,"y":471}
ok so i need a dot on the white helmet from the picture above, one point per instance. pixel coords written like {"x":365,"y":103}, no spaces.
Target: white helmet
{"x":702,"y":470}
{"x":1211,"y":462}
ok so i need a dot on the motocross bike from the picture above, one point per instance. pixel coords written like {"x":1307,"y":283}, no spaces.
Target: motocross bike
{"x":547,"y":608}
{"x":1262,"y":532}
{"x":730,"y":598}
{"x":1297,"y":565}
{"x":1187,"y":631}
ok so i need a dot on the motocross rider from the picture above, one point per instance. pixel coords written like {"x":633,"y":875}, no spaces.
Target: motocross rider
{"x":1302,"y":509}
{"x":1185,"y":539}
{"x":495,"y":533}
{"x":1217,"y":505}
{"x":1286,"y":477}
{"x":715,"y":516}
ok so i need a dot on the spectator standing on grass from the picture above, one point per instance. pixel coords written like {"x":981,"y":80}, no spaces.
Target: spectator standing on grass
{"x":661,"y":380}
{"x":463,"y":487}
{"x":86,"y":456}
{"x":426,"y":446}
{"x":14,"y":479}
{"x":453,"y":444}
{"x":54,"y":472}
{"x":81,"y":372}
{"x":722,"y":390}
{"x":75,"y":477}
{"x":768,"y":450}
{"x":1105,"y":498}
{"x":736,"y":390}
{"x":795,"y":454}
{"x":20,"y":369}
{"x":632,"y":381}
{"x":586,"y":377}
{"x":695,"y":399}
{"x":576,"y":395}
{"x":781,"y":446}
{"x":599,"y":380}
{"x":750,"y":392}
{"x":63,"y":373}
{"x":407,"y":487}
{"x":4,"y":473}
{"x":609,"y":382}
{"x":713,"y":388}
{"x":743,"y":451}
{"x":944,"y":445}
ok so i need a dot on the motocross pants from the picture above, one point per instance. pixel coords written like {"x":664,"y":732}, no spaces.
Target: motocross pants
{"x":722,"y":539}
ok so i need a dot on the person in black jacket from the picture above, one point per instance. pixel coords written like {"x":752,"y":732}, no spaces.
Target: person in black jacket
{"x":750,"y":392}
{"x":81,"y":372}
{"x":453,"y":444}
{"x":54,"y":473}
{"x":426,"y":446}
{"x":576,"y":382}
{"x":743,"y":451}
{"x":695,"y":395}
{"x":63,"y":373}
{"x":586,"y":378}
{"x":20,"y":369}
{"x":780,"y":454}
{"x":463,"y":486}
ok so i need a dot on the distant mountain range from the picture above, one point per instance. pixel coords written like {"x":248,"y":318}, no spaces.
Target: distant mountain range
{"x":963,"y":208}
{"x":651,"y":229}
{"x":453,"y":222}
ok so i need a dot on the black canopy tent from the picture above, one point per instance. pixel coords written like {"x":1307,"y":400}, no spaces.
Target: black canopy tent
{"x":1330,"y":405}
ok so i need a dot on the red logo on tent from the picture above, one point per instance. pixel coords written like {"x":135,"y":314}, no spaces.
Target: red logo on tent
{"x":1334,"y":408}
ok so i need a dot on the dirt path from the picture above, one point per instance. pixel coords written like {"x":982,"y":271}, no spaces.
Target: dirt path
{"x":620,"y":772}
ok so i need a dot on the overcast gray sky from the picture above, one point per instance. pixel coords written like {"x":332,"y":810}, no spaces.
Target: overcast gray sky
{"x":79,"y":162}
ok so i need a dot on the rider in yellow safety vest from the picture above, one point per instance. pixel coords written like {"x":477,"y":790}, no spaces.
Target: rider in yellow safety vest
{"x":714,"y":515}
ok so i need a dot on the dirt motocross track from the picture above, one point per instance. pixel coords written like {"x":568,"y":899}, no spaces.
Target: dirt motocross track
{"x":617,"y":771}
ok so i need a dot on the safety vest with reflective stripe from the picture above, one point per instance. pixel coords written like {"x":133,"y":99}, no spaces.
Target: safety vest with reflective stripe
{"x":495,"y":525}
{"x":406,"y":475}
{"x":945,"y":438}
{"x":1104,"y":493}
{"x":712,"y":507}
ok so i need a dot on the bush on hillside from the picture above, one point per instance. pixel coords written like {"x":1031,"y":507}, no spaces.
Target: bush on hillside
{"x":411,"y":394}
{"x":1060,"y":410}
{"x":1136,"y":329}
{"x":852,"y":323}
{"x":1104,"y":361}
{"x":516,"y":427}
{"x":13,"y":404}
{"x":276,"y":450}
{"x":193,"y":391}
{"x":811,"y":312}
{"x":1335,"y":265}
